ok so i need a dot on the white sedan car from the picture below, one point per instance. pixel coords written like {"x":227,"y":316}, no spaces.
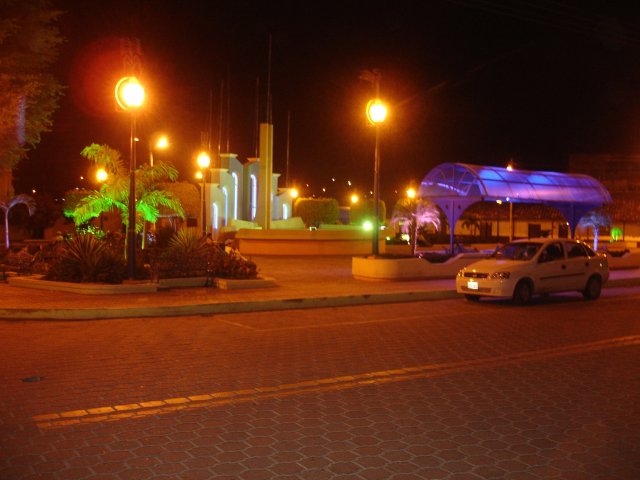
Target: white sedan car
{"x":524,"y":268}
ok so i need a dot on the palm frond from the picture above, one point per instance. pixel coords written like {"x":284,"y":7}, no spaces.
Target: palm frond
{"x":92,"y":206}
{"x":160,"y":172}
{"x":106,"y":157}
{"x":23,"y":199}
{"x":164,"y":198}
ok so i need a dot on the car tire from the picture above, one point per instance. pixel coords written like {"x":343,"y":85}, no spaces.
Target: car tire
{"x":593,"y":288}
{"x":472,"y":298}
{"x":523,"y":292}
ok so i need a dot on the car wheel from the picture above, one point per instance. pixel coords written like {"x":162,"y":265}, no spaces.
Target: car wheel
{"x":472,"y":298}
{"x":593,"y":288}
{"x":523,"y":292}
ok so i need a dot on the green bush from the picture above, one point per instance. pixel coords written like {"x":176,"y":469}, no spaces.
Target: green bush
{"x":315,"y":211}
{"x":84,"y":258}
{"x":365,"y":210}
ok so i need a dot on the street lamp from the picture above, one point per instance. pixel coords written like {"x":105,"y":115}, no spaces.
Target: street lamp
{"x":129,"y":95}
{"x":161,"y":143}
{"x":203,"y":162}
{"x":376,"y":113}
{"x":499,"y":202}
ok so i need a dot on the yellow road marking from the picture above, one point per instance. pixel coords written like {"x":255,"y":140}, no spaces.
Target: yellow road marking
{"x":323,"y":385}
{"x":337,"y":324}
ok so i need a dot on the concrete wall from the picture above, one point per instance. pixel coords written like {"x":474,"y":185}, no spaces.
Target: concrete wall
{"x":305,"y":242}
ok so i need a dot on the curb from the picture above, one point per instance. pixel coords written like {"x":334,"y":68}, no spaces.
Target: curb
{"x":245,"y":307}
{"x":222,"y":308}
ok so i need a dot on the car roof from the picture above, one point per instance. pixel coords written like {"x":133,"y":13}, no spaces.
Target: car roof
{"x":545,"y":240}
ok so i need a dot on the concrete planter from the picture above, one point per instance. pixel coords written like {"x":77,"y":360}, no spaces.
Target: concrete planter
{"x":385,"y":268}
{"x":184,"y":282}
{"x":237,"y":284}
{"x":36,"y":281}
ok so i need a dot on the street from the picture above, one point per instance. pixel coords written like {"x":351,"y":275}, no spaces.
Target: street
{"x":428,"y":390}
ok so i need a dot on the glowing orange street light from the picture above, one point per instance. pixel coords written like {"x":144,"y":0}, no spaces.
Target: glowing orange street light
{"x":376,"y":114}
{"x":411,"y":193}
{"x":204,"y":160}
{"x":294,"y":193}
{"x":161,"y":143}
{"x":101,"y":175}
{"x":376,"y":111}
{"x":355,"y":198}
{"x":129,"y":95}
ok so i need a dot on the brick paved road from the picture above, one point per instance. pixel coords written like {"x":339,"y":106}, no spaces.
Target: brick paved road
{"x":431,"y":390}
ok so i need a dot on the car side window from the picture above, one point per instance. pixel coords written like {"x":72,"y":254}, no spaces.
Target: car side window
{"x":551,"y":253}
{"x":576,"y":251}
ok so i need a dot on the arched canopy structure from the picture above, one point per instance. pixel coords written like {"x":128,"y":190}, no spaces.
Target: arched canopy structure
{"x":456,"y":186}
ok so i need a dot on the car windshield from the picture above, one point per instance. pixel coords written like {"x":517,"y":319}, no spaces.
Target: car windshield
{"x":522,"y":251}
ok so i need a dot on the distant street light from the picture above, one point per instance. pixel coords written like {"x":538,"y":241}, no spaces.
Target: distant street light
{"x":161,"y":143}
{"x":101,"y":175}
{"x":129,"y":95}
{"x":204,"y":160}
{"x":411,"y":193}
{"x":376,"y":113}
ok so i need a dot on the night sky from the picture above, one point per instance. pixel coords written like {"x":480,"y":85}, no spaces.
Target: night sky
{"x":473,"y":81}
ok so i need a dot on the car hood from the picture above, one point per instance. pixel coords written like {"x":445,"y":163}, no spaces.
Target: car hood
{"x":493,"y":264}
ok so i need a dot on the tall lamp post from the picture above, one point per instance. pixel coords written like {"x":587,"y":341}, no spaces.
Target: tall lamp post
{"x":129,"y":95}
{"x":376,"y":114}
{"x":204,"y":160}
{"x":101,"y":177}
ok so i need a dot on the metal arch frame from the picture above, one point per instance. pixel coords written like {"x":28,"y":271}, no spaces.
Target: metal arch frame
{"x":454,"y":187}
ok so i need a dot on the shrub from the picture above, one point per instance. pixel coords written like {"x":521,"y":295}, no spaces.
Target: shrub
{"x":84,"y":258}
{"x":228,"y":263}
{"x":21,"y":261}
{"x":366,"y":211}
{"x":186,"y":255}
{"x":315,"y":211}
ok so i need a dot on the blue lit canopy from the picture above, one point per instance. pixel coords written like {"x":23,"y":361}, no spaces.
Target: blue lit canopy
{"x":456,"y":186}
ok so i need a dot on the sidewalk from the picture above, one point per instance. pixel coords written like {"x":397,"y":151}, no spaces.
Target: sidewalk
{"x":302,"y":282}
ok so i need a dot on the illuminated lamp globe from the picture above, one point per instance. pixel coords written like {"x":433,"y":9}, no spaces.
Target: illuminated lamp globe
{"x":294,"y":193}
{"x":204,"y":160}
{"x":129,"y":93}
{"x":162,"y":143}
{"x":376,"y":111}
{"x":102,"y":175}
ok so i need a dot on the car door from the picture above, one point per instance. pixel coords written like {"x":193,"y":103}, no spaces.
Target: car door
{"x":577,"y":265}
{"x":551,"y":269}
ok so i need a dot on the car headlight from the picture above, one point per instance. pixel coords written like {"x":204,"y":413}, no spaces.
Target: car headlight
{"x":500,"y":275}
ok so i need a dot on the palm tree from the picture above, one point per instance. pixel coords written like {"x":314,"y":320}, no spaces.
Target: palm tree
{"x":470,"y":222}
{"x":114,"y":193}
{"x":596,"y":219}
{"x":410,"y":214}
{"x":7,"y":206}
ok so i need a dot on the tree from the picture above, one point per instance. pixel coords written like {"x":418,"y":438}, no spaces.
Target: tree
{"x":114,"y":193}
{"x":596,"y":219}
{"x":470,"y":222}
{"x":411,"y":214}
{"x":29,"y":42}
{"x":7,"y":206}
